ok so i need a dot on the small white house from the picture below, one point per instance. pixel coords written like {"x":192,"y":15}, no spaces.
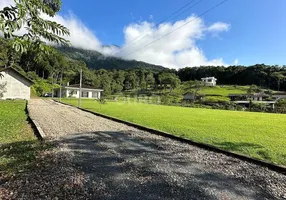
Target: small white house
{"x":72,"y":91}
{"x":16,"y":85}
{"x":209,"y":81}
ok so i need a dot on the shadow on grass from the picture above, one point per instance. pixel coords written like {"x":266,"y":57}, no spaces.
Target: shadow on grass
{"x":246,"y":147}
{"x":238,"y":146}
{"x":18,"y":156}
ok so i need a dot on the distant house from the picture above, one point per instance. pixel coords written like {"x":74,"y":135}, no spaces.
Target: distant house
{"x":209,"y":81}
{"x":190,"y":96}
{"x":254,"y":97}
{"x":279,"y":95}
{"x":17,"y":86}
{"x":73,"y":92}
{"x":246,"y":99}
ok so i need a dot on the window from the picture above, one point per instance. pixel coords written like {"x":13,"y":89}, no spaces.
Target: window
{"x":94,"y":94}
{"x":84,"y":94}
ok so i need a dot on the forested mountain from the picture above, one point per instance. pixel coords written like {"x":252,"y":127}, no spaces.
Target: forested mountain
{"x":96,"y":60}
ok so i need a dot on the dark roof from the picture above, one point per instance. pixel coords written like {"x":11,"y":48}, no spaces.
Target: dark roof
{"x":213,"y":95}
{"x":13,"y":69}
{"x":83,"y":86}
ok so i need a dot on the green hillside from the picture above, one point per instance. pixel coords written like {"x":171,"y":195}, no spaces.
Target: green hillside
{"x":224,"y":90}
{"x":96,"y":60}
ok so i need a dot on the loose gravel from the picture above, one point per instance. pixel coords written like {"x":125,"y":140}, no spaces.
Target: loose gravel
{"x":121,"y":162}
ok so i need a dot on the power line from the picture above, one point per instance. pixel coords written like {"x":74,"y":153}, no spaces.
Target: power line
{"x":212,"y":8}
{"x":144,"y":34}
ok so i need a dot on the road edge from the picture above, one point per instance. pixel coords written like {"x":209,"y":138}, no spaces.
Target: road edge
{"x":271,"y":166}
{"x":36,"y":127}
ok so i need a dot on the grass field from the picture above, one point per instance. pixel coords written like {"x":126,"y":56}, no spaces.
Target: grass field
{"x":18,"y":145}
{"x":259,"y":135}
{"x":224,"y":90}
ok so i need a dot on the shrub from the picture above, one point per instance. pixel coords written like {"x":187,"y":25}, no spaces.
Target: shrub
{"x":216,"y":99}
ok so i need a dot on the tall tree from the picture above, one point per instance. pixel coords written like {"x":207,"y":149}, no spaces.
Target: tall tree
{"x":27,"y":14}
{"x":193,"y":87}
{"x":279,"y":77}
{"x":167,"y":78}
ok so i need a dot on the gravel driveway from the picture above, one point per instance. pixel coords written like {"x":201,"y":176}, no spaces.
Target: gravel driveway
{"x":121,"y":162}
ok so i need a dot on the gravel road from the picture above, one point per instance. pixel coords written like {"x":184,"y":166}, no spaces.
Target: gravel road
{"x":122,"y":162}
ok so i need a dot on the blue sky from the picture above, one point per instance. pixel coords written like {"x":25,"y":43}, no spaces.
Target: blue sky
{"x":256,"y":31}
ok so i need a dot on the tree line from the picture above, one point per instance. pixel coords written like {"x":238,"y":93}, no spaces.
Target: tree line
{"x":50,"y":68}
{"x":266,"y":76}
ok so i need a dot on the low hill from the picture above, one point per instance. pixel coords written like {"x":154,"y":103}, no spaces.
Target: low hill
{"x":96,"y":60}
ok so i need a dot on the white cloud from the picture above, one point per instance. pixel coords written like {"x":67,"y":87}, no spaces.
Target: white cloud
{"x":219,"y":27}
{"x":236,"y":62}
{"x":80,"y":35}
{"x":176,"y":50}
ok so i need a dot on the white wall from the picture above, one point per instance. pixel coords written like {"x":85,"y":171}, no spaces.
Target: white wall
{"x":76,"y":93}
{"x":17,"y":87}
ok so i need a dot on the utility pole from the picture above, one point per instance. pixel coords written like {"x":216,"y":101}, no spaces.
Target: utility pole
{"x":80,"y":85}
{"x":61,"y":86}
{"x":53,"y":86}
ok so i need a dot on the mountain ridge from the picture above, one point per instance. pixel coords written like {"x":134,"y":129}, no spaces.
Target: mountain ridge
{"x":96,"y":60}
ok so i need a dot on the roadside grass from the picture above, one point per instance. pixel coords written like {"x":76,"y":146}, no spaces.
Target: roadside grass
{"x":18,"y":144}
{"x":258,"y":135}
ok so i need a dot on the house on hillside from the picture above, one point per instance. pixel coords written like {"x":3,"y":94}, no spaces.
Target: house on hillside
{"x":209,"y":81}
{"x":73,"y":92}
{"x":16,"y":85}
{"x":279,"y":95}
{"x":246,"y":99}
{"x":261,"y":96}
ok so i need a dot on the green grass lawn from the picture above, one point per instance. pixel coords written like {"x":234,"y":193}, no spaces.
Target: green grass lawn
{"x":259,"y":135}
{"x":18,"y":144}
{"x":224,"y":90}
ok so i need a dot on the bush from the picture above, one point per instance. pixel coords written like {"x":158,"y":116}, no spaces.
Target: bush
{"x":280,"y":107}
{"x":216,"y":99}
{"x":166,"y":100}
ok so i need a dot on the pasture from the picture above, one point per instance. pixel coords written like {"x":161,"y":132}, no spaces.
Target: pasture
{"x":259,"y":135}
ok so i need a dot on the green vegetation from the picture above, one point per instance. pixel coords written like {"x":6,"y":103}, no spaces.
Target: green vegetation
{"x":224,"y":90}
{"x":27,"y":15}
{"x":18,"y":144}
{"x":258,"y":135}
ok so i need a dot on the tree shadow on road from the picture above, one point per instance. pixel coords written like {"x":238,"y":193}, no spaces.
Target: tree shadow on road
{"x":123,"y":167}
{"x":118,"y":165}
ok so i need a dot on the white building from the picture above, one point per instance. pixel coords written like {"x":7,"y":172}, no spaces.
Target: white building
{"x":72,"y":91}
{"x":209,"y":81}
{"x":16,"y":85}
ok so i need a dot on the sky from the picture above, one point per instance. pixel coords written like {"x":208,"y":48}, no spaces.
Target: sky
{"x":238,"y":32}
